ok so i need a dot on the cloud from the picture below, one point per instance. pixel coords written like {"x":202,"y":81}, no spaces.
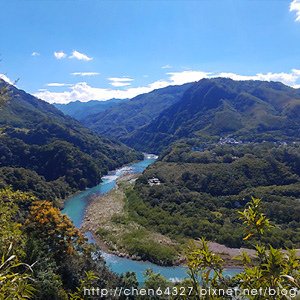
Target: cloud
{"x":84,"y":92}
{"x":35,"y":54}
{"x":166,"y":67}
{"x":286,"y":78}
{"x":295,"y":6}
{"x":85,"y":73}
{"x":5,"y":78}
{"x":60,"y":54}
{"x":56,"y":84}
{"x":187,"y":76}
{"x":80,"y":56}
{"x":120,"y":81}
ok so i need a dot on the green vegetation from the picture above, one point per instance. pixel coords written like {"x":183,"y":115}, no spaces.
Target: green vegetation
{"x":123,"y":235}
{"x":202,"y":190}
{"x":272,"y":270}
{"x":219,"y":107}
{"x":14,"y":283}
{"x":43,"y":255}
{"x":274,"y":274}
{"x":52,"y":155}
{"x":139,"y":242}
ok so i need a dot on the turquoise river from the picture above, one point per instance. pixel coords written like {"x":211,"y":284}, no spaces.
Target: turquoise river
{"x":75,"y":208}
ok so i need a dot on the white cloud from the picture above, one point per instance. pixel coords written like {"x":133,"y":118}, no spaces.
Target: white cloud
{"x":120,"y":81}
{"x":35,"y":54}
{"x":57,"y":84}
{"x":60,"y":54}
{"x":295,"y":6}
{"x":85,"y":73}
{"x":84,"y":92}
{"x":5,"y":78}
{"x":187,"y":76}
{"x":166,"y":67}
{"x":286,"y":78}
{"x":80,"y":56}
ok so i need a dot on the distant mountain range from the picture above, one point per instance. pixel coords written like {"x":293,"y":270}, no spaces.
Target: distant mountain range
{"x":214,"y":108}
{"x":80,"y":110}
{"x":207,"y":110}
{"x":50,"y":154}
{"x":122,"y":119}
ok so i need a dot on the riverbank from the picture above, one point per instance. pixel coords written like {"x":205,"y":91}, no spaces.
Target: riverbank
{"x":106,"y":218}
{"x":113,"y":231}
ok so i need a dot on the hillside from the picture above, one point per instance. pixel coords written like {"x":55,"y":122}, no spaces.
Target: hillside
{"x":119,"y":121}
{"x":214,"y":108}
{"x":198,"y":190}
{"x":44,"y":151}
{"x":81,"y":110}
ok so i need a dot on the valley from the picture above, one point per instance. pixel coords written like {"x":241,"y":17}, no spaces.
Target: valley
{"x":146,"y":213}
{"x":150,"y":150}
{"x":50,"y":154}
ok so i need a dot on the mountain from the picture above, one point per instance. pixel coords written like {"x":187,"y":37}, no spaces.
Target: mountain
{"x":48,"y":153}
{"x":221,"y":143}
{"x":81,"y":110}
{"x":118,"y":121}
{"x":214,"y":108}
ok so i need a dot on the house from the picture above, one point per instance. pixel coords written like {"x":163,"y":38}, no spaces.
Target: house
{"x":154,"y":181}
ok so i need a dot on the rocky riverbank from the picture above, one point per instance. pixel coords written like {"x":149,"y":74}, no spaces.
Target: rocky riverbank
{"x":106,"y":219}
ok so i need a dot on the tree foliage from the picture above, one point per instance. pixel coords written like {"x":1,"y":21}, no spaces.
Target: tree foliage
{"x":43,"y":256}
{"x":272,"y":269}
{"x":16,"y":280}
{"x":202,"y":186}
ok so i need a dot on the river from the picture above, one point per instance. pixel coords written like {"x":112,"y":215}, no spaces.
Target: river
{"x":75,"y":208}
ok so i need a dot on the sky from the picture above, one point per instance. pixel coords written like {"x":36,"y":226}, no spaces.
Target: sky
{"x":68,"y":50}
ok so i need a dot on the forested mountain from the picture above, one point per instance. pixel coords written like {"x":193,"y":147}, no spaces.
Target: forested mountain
{"x":124,"y":118}
{"x":81,"y":110}
{"x":222,"y":143}
{"x":44,"y":151}
{"x":214,"y":108}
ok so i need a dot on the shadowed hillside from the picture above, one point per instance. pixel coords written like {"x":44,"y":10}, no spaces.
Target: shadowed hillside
{"x":124,"y":118}
{"x":44,"y":151}
{"x":214,"y":108}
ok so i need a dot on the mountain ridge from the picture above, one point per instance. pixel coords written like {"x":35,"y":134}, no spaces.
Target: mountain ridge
{"x":56,"y":150}
{"x":219,"y":107}
{"x":121,"y":120}
{"x":80,"y":110}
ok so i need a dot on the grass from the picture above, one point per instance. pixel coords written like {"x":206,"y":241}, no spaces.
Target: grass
{"x":122,"y":233}
{"x":139,"y":242}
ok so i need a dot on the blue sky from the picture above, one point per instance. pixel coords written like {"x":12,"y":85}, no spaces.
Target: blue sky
{"x":71,"y":50}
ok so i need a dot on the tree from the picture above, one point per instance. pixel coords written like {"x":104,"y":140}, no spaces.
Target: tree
{"x":271,"y":270}
{"x":55,"y":228}
{"x":10,"y":228}
{"x":205,"y":269}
